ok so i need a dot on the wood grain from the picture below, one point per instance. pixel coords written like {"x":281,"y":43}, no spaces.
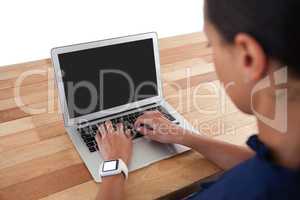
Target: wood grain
{"x":38,"y":160}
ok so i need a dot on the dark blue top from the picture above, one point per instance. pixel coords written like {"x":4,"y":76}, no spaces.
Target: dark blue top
{"x":256,"y":178}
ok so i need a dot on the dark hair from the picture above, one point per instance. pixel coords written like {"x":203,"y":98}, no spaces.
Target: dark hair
{"x":273,"y":23}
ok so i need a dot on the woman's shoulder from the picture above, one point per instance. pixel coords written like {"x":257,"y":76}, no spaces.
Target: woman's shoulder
{"x":256,"y":178}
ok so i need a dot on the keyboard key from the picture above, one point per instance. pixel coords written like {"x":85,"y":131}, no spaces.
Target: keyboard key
{"x":87,"y":140}
{"x":84,"y":136}
{"x":90,"y":144}
{"x":92,"y":149}
{"x":86,"y":129}
{"x":94,"y":127}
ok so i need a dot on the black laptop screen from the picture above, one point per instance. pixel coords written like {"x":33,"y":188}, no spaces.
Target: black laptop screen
{"x":106,"y":77}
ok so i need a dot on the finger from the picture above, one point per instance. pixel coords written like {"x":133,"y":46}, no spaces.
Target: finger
{"x":143,"y":120}
{"x":120,"y":128}
{"x":148,"y":124}
{"x":148,"y":114}
{"x":145,"y":131}
{"x":151,"y":113}
{"x":109,"y":126}
{"x":98,"y":139}
{"x":128,"y":133}
{"x":98,"y":130}
{"x":102,"y":130}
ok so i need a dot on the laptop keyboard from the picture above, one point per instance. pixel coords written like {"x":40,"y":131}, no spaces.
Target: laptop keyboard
{"x":88,"y":133}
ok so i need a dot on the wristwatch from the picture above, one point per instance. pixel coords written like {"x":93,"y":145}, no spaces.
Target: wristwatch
{"x":113,"y":167}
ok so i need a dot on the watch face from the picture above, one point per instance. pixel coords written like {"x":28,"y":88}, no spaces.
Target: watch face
{"x":110,"y":165}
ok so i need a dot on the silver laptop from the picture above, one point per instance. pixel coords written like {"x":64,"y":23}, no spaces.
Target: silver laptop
{"x":116,"y":79}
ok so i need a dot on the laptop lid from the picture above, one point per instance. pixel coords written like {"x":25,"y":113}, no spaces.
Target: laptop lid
{"x":102,"y":78}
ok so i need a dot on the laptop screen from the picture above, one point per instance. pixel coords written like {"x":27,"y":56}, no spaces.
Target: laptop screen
{"x":105,"y":77}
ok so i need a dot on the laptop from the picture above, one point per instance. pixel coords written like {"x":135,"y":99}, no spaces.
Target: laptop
{"x":116,"y":79}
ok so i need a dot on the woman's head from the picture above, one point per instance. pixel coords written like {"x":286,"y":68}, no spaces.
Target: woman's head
{"x":250,"y":40}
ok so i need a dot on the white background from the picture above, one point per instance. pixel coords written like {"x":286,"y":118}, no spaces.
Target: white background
{"x":30,"y":28}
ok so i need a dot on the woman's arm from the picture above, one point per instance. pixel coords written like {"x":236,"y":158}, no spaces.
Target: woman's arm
{"x":112,"y":188}
{"x":154,"y":126}
{"x":223,"y":154}
{"x":113,"y":144}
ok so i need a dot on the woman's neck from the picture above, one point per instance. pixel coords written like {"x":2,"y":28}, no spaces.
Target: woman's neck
{"x":282,"y":137}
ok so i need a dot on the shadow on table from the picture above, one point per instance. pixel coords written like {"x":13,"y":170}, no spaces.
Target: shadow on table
{"x":190,"y":189}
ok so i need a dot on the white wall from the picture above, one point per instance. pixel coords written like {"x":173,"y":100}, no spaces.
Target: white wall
{"x":30,"y":28}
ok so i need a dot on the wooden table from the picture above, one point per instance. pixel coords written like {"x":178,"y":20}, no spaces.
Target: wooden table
{"x":38,"y":161}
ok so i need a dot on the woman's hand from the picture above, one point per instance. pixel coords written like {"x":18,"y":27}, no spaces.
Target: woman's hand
{"x":155,"y":126}
{"x":114,"y":144}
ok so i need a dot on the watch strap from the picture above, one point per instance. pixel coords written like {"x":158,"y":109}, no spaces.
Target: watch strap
{"x":123,"y":167}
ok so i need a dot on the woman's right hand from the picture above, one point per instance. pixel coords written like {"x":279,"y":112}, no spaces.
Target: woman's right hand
{"x":153,"y":125}
{"x":114,"y":143}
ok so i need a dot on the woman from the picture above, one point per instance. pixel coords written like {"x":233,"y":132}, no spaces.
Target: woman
{"x":251,"y":40}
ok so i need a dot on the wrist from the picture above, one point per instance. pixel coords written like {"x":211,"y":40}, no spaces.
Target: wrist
{"x":115,"y":178}
{"x":182,"y":136}
{"x":187,"y":139}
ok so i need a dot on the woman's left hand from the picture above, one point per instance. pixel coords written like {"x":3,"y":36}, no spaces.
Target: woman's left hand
{"x":153,"y":125}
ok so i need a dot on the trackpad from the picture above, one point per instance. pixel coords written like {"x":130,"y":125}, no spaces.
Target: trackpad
{"x":145,"y":152}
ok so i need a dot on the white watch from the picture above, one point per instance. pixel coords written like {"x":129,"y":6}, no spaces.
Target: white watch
{"x":113,"y":167}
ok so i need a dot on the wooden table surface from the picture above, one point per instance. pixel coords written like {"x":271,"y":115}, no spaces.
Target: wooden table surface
{"x":38,"y":160}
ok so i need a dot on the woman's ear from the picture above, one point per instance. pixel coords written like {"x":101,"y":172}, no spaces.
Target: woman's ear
{"x":251,"y":56}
